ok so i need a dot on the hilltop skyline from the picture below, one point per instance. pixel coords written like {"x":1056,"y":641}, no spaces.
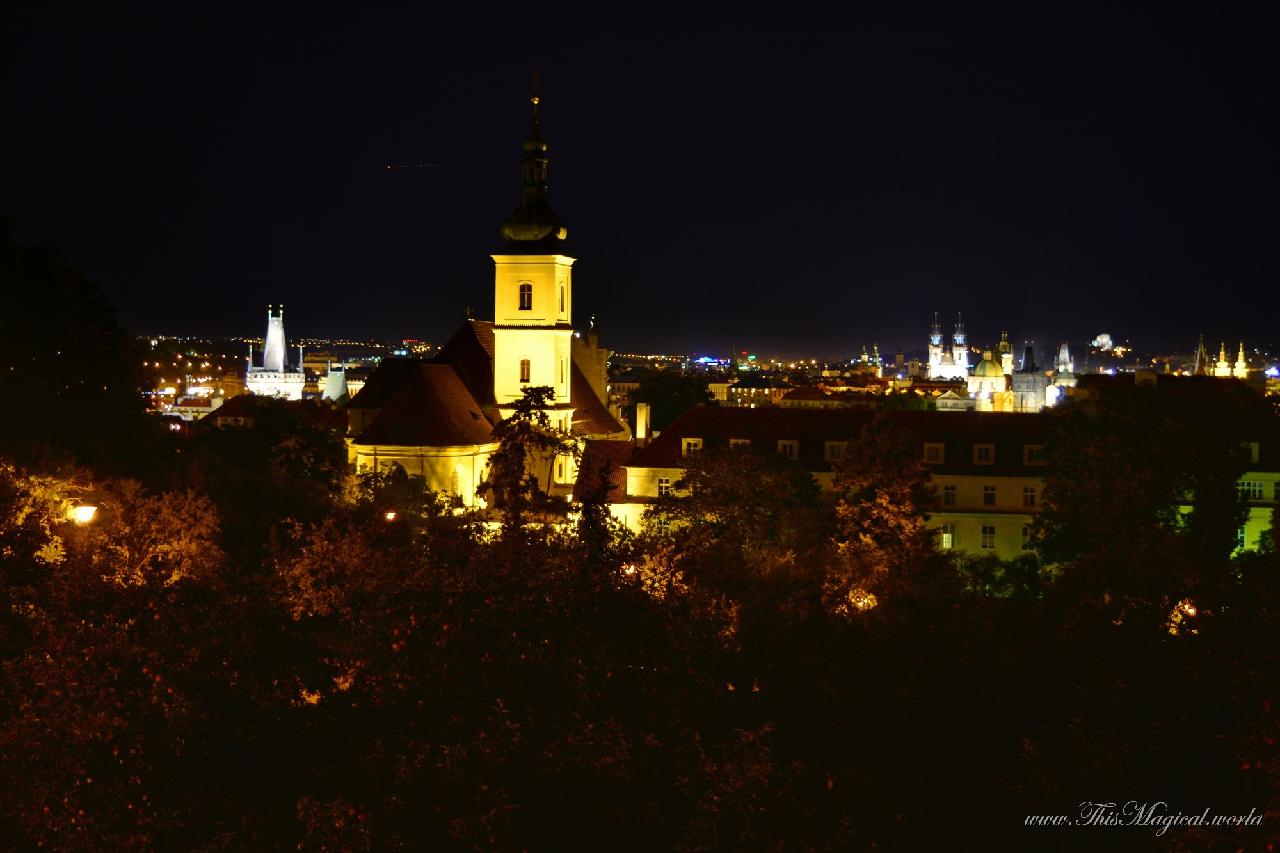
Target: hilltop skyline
{"x":783,"y":193}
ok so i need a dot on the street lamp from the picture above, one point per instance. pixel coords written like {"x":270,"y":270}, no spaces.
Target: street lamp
{"x":83,"y":513}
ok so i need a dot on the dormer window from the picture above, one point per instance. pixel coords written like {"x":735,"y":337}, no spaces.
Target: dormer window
{"x":691,"y":447}
{"x":1033,"y":454}
{"x":526,"y":296}
{"x":935,"y":453}
{"x":788,"y":449}
{"x":984,"y":454}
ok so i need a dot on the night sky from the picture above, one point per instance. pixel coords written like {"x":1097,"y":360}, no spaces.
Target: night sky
{"x":787,"y":193}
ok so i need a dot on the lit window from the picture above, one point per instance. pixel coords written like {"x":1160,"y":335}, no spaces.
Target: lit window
{"x":736,"y":443}
{"x":834,"y":451}
{"x":988,"y":495}
{"x":526,"y":296}
{"x":788,"y":449}
{"x":1027,"y":544}
{"x":664,"y":487}
{"x":1033,"y":454}
{"x":1028,"y":495}
{"x":524,"y":370}
{"x":691,"y":447}
{"x":948,"y":495}
{"x":1249,"y":490}
{"x":988,"y":537}
{"x":948,"y":537}
{"x":934,"y":454}
{"x":984,"y":454}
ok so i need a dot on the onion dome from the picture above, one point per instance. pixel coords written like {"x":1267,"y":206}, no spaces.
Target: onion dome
{"x":534,"y":228}
{"x":988,"y":368}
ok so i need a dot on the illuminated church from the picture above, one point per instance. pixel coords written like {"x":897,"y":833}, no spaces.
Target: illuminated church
{"x":950,"y":363}
{"x":435,"y":417}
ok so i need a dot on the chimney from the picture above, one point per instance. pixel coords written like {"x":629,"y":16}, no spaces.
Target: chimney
{"x":642,"y":424}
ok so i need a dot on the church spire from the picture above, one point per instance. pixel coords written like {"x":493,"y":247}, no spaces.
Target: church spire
{"x":534,"y":228}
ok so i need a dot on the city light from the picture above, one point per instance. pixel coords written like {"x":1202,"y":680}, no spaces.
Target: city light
{"x":82,"y":514}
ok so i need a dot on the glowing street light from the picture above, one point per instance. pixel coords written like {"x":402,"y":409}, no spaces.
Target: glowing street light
{"x":389,"y":515}
{"x":83,"y":514}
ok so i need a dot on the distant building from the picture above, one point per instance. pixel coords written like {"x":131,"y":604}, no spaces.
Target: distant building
{"x":988,"y":468}
{"x":950,"y":363}
{"x":195,"y":408}
{"x":757,"y":389}
{"x":275,"y":378}
{"x":1029,"y":383}
{"x":989,"y":386}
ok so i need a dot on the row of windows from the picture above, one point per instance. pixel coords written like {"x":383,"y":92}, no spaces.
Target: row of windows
{"x":948,"y":540}
{"x":834,"y":451}
{"x":935,"y":453}
{"x":1255,"y":490}
{"x":526,"y":297}
{"x":1029,"y":498}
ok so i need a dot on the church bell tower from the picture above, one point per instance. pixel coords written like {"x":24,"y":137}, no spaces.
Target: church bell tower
{"x":533,"y":293}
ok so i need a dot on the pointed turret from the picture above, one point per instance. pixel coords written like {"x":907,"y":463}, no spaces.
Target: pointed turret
{"x":534,"y":228}
{"x":1006,"y":354}
{"x":959,"y":346}
{"x":935,"y":332}
{"x":1028,"y":358}
{"x":273,"y":347}
{"x":1242,"y":366}
{"x":1222,"y":369}
{"x":1200,"y":366}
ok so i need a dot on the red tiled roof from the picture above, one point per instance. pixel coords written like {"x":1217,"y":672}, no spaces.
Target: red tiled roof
{"x":590,"y":417}
{"x":383,"y":383}
{"x":431,"y":407}
{"x":599,"y":456}
{"x":470,"y":351}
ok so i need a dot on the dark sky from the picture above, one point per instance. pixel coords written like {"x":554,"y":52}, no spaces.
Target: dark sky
{"x":784,"y":192}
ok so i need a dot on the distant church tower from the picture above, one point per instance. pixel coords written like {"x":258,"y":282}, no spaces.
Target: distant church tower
{"x":960,"y":347}
{"x":274,"y":379}
{"x":533,"y":293}
{"x":1222,"y":369}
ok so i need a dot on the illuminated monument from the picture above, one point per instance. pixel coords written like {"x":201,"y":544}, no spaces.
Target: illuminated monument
{"x":435,"y":418}
{"x":274,"y":378}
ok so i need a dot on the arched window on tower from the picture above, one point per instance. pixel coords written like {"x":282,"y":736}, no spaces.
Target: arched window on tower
{"x":524,"y":370}
{"x":562,"y":299}
{"x":526,"y":296}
